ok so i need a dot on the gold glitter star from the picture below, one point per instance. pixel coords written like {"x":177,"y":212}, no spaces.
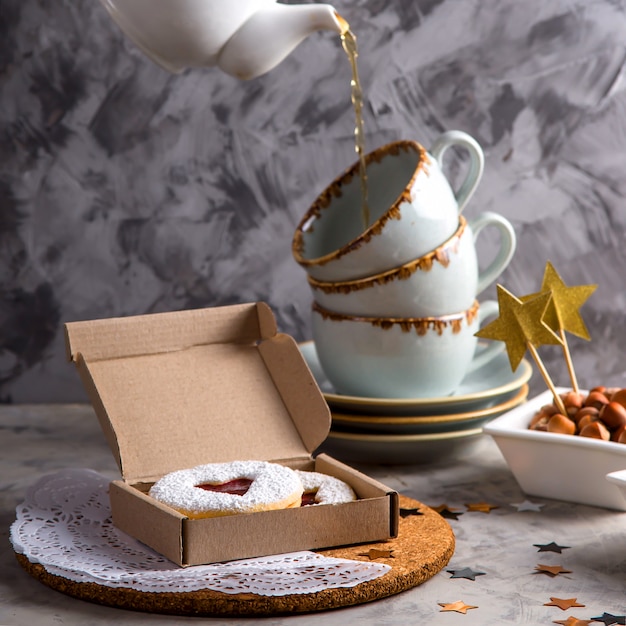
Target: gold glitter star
{"x":459,"y":606}
{"x":564,"y":310}
{"x":520,"y":323}
{"x":562,"y":313}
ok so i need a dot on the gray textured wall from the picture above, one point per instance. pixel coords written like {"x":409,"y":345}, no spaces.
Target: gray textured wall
{"x":127,"y":190}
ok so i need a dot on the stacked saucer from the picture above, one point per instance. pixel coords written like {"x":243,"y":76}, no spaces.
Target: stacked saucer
{"x":419,"y":430}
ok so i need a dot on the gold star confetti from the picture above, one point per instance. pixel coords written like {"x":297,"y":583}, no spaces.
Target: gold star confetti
{"x":552,"y":570}
{"x":459,"y":606}
{"x":563,"y":603}
{"x":573,"y":621}
{"x":377,"y":553}
{"x":481,"y":507}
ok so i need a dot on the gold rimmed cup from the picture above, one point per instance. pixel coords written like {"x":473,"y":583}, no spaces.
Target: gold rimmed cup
{"x":396,"y":357}
{"x":443,"y":280}
{"x":411,"y":205}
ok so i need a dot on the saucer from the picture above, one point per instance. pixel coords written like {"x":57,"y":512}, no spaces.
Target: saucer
{"x":485,"y":387}
{"x":403,"y":449}
{"x":422,"y":424}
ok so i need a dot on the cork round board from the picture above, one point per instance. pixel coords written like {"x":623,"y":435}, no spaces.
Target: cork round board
{"x":424,"y":546}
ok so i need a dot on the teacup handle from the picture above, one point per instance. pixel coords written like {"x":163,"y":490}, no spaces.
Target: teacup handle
{"x":488,"y":308}
{"x":508,"y":243}
{"x":477,"y":162}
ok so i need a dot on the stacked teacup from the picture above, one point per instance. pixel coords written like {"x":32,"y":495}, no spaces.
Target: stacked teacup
{"x":395,"y":307}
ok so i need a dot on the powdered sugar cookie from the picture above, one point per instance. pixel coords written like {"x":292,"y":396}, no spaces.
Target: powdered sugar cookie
{"x":218,"y":489}
{"x":323,"y":489}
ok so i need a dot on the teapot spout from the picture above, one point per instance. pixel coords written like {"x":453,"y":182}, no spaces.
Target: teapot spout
{"x":269,"y":35}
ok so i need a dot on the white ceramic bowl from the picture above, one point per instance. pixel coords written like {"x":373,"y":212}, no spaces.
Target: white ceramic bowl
{"x":562,"y":467}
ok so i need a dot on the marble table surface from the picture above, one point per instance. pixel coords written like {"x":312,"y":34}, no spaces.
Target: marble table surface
{"x":500,"y":548}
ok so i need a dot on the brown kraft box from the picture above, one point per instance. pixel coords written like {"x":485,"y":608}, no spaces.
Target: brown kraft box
{"x":180,"y":389}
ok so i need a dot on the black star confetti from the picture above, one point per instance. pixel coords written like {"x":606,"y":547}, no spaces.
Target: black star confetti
{"x":609,"y":619}
{"x":409,"y":512}
{"x":466,"y":572}
{"x":447,"y":513}
{"x":550,"y":547}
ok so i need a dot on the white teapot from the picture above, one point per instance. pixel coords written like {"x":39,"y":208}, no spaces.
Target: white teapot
{"x":245,"y":38}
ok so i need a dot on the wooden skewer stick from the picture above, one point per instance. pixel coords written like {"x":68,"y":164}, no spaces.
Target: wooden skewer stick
{"x":568,"y":360}
{"x":557,"y":398}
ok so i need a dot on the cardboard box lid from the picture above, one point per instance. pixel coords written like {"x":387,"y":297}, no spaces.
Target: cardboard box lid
{"x":175,"y":390}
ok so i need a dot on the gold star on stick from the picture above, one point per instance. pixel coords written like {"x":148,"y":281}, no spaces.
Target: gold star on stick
{"x":563,"y":313}
{"x":521,"y":327}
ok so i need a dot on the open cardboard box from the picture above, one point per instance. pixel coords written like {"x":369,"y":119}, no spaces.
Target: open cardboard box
{"x":176,"y":390}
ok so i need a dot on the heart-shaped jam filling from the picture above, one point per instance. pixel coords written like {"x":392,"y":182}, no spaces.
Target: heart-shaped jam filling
{"x":240,"y":486}
{"x":236,"y":487}
{"x":308,"y":498}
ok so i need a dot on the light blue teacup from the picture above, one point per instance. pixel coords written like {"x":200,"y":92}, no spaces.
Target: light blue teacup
{"x":412,"y":207}
{"x":446,"y":279}
{"x":401,"y":357}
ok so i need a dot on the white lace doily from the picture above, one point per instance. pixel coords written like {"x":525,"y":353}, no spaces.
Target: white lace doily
{"x":65,"y":525}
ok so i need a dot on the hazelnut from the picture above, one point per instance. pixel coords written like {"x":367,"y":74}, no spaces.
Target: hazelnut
{"x":587,"y":419}
{"x":613,"y":415}
{"x":588,"y":410}
{"x":548,"y":409}
{"x":572,"y":399}
{"x":596,"y":399}
{"x":539,"y":421}
{"x":596,"y":430}
{"x":560,"y":424}
{"x":620,"y":397}
{"x":619,"y":435}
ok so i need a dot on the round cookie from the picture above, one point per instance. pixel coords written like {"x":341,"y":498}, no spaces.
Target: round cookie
{"x":271,"y":486}
{"x":324,"y":489}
